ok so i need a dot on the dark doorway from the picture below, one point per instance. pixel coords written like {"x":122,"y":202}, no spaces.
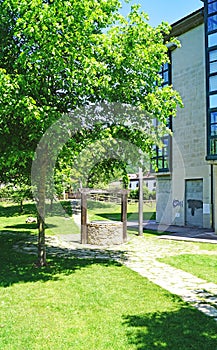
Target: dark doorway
{"x":194,"y":202}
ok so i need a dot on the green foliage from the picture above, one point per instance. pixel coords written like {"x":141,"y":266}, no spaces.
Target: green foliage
{"x":20,"y":193}
{"x":153,"y":194}
{"x":146,"y":193}
{"x":16,"y":193}
{"x":134,"y":194}
{"x":57,"y":55}
{"x":4,"y":192}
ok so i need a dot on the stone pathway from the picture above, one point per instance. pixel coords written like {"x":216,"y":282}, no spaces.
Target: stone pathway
{"x":141,"y":256}
{"x":196,"y":291}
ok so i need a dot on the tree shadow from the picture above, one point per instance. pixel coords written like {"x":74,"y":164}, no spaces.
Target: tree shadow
{"x":14,"y":210}
{"x":26,"y":226}
{"x":18,"y":266}
{"x":30,"y":209}
{"x":131,"y":216}
{"x":110,"y":216}
{"x":182,"y":329}
{"x":155,"y":232}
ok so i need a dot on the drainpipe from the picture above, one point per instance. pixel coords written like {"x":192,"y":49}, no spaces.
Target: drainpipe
{"x":212,"y":199}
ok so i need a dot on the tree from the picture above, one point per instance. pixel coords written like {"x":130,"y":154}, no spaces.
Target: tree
{"x":60,"y":55}
{"x":17,"y":193}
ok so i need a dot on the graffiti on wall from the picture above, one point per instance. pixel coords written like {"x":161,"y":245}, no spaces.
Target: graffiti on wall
{"x":194,"y":204}
{"x":177,"y":203}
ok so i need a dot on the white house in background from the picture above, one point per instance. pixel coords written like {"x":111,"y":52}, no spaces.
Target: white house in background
{"x":149,"y":180}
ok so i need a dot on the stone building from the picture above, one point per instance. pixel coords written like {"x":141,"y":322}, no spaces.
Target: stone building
{"x":187,"y":172}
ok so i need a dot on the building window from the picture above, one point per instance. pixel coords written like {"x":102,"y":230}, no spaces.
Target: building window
{"x":161,"y":158}
{"x":211,"y":73}
{"x":165,"y":73}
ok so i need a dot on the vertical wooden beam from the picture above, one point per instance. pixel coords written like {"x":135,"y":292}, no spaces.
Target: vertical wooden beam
{"x":124,"y":214}
{"x":140,"y":202}
{"x":83,"y":218}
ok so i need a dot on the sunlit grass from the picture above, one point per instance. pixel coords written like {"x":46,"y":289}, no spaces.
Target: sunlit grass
{"x":92,"y":304}
{"x":202,"y":266}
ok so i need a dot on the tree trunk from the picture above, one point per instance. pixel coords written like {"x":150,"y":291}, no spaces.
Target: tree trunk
{"x":21,"y":206}
{"x":41,"y":210}
{"x":41,"y":242}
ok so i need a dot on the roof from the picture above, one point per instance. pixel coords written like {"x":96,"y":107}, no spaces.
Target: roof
{"x":187,"y":23}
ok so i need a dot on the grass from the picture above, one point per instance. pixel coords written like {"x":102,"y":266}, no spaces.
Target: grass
{"x":87,"y":304}
{"x":12,"y":221}
{"x":91,"y":304}
{"x":112,"y":211}
{"x":62,"y":216}
{"x":202,"y":266}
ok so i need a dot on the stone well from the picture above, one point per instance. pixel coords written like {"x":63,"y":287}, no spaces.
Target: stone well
{"x":105,"y":233}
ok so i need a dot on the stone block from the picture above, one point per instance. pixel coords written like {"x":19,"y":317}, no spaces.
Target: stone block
{"x":105,"y":233}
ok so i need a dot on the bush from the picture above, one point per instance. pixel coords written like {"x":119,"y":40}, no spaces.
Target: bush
{"x":134,"y":194}
{"x":147,"y":195}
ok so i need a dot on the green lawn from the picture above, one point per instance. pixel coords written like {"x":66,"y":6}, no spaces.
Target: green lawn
{"x":112,"y":211}
{"x":91,"y":304}
{"x":11,"y":220}
{"x":87,"y":304}
{"x":202,"y":266}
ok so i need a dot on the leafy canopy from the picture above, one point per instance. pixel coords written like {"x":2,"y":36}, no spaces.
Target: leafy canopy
{"x":56,"y":55}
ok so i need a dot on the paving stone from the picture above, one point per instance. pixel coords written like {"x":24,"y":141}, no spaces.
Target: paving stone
{"x":190,"y":299}
{"x":212,"y":299}
{"x":207,"y":309}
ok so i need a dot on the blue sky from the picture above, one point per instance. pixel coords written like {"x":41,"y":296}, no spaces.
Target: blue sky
{"x":164,"y":10}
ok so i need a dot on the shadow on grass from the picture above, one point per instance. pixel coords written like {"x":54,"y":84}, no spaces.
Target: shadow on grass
{"x":23,"y":226}
{"x":146,"y":233}
{"x":14,"y":210}
{"x":155,"y":233}
{"x":130,"y":216}
{"x":10,"y":209}
{"x":29,"y":226}
{"x":186,"y":328}
{"x":17,"y":266}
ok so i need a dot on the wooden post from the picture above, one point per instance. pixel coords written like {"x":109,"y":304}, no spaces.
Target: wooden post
{"x":140,"y":202}
{"x":124,"y":214}
{"x":83,"y":218}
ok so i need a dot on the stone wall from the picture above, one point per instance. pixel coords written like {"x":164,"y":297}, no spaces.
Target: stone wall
{"x":189,"y":127}
{"x":189,"y":133}
{"x":164,"y":199}
{"x":105,"y":233}
{"x":188,"y":78}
